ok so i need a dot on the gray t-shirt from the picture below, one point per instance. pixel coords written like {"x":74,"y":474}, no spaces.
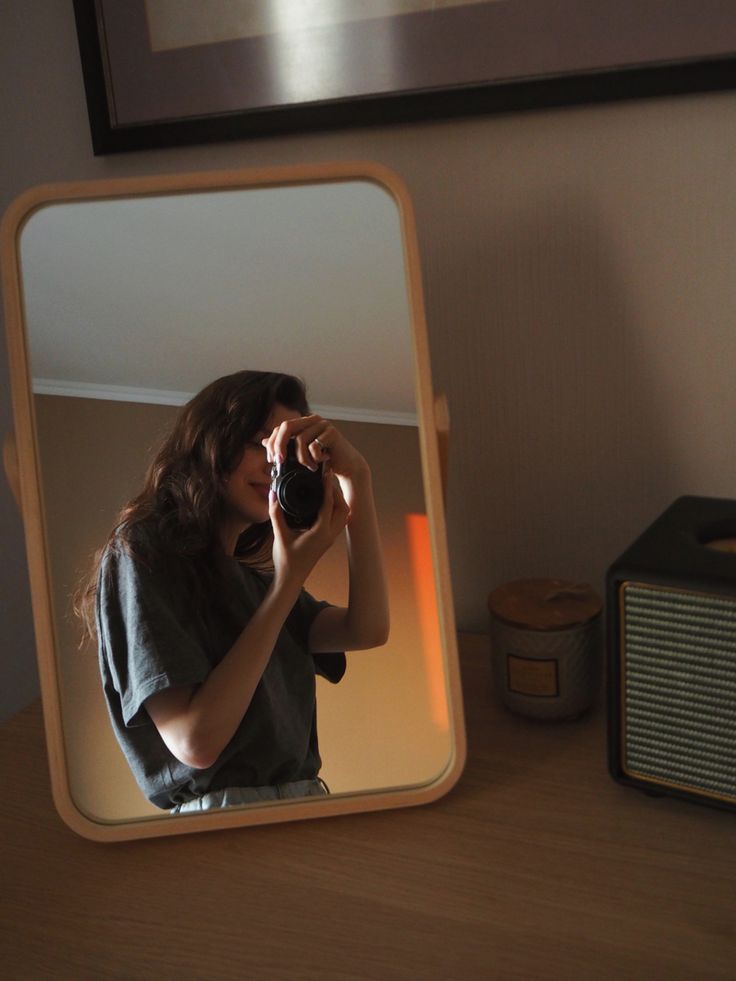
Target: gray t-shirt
{"x":155,"y":634}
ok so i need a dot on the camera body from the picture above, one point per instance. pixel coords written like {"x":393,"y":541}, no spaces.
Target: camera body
{"x":299,"y":490}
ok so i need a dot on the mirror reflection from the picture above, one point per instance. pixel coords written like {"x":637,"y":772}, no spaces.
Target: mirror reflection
{"x":135,"y":304}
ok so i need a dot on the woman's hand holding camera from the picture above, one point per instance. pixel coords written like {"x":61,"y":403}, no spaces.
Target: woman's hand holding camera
{"x":348,"y":501}
{"x":316,"y":441}
{"x":297,"y":551}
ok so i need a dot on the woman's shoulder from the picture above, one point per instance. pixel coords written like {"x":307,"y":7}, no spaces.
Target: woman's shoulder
{"x":134,"y":535}
{"x":140,"y":542}
{"x":137,"y":558}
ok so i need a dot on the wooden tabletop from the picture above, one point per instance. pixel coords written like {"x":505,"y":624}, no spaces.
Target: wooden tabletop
{"x":537,"y":865}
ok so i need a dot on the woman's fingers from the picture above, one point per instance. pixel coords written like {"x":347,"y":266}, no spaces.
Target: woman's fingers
{"x":312,"y":444}
{"x":278,"y":518}
{"x":304,"y":430}
{"x":316,"y":441}
{"x":318,"y":451}
{"x":277,"y":442}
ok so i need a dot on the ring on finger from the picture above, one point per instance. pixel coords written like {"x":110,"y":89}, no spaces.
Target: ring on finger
{"x":321,"y":445}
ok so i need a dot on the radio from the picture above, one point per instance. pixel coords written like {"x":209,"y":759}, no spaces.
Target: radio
{"x":671,"y":638}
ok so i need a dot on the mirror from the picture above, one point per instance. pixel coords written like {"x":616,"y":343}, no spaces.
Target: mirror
{"x":126,"y":297}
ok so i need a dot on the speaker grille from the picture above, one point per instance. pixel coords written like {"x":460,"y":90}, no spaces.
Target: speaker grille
{"x":679,"y":667}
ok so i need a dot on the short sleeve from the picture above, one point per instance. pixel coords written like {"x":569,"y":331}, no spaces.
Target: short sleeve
{"x":145,"y":632}
{"x":330,"y":666}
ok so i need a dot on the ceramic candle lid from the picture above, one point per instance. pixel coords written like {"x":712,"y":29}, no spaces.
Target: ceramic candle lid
{"x":544,"y":604}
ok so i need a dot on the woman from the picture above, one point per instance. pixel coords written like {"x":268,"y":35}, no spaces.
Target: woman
{"x":208,"y":641}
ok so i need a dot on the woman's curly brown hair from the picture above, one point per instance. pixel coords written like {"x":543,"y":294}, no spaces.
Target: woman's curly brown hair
{"x":182,"y":495}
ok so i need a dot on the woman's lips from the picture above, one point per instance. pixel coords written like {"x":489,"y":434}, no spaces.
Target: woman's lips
{"x":262,"y":489}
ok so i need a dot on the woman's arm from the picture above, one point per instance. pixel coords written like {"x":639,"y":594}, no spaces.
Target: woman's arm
{"x":364,"y":623}
{"x":196,"y":723}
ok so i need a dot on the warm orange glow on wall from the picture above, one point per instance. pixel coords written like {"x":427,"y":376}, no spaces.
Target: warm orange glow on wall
{"x":420,"y":551}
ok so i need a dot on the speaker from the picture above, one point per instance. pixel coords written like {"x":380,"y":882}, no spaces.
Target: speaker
{"x":671,"y":644}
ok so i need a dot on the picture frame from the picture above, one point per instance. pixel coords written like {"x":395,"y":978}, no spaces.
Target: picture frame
{"x":172,"y":72}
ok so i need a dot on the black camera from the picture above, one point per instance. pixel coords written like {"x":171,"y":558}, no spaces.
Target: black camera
{"x":298,"y":489}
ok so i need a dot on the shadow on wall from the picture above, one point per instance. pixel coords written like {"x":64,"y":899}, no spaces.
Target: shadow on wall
{"x":571,"y":431}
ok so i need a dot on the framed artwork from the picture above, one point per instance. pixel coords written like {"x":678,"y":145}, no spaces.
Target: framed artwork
{"x":166,"y":72}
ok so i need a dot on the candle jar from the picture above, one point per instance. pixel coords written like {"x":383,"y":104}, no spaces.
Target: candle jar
{"x":546,"y":646}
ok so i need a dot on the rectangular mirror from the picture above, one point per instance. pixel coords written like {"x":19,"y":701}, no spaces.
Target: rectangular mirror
{"x":123,"y":299}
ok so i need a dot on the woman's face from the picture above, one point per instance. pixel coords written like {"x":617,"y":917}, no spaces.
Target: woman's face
{"x":246,"y":488}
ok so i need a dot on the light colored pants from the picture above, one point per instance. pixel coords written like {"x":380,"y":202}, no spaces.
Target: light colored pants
{"x":234,"y":796}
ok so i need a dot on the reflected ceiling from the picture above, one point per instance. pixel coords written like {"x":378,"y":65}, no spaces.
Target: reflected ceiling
{"x":264,"y":298}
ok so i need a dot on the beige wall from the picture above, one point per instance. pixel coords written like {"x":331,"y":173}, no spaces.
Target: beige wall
{"x":580,"y":301}
{"x":377,"y":727}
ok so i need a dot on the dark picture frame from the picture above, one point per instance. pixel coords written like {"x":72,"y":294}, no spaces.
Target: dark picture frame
{"x":462,"y":59}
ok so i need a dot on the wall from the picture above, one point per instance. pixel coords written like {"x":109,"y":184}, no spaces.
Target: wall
{"x":580,"y":303}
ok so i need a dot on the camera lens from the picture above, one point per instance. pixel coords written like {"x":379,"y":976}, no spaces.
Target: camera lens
{"x":300,"y":495}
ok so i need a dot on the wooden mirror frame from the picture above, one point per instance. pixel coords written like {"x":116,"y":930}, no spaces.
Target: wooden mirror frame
{"x":432,"y":417}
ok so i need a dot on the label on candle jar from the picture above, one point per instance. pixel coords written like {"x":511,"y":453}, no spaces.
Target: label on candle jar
{"x":532,"y":676}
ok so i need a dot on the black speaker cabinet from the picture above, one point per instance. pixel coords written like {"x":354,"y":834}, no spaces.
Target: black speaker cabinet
{"x":671,"y":637}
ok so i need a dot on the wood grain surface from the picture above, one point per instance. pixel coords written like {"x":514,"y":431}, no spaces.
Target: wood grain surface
{"x":536,"y":865}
